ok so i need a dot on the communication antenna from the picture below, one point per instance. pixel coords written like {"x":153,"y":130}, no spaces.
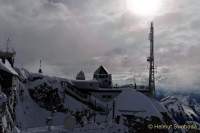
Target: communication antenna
{"x":150,"y":59}
{"x":7,"y":44}
{"x":134,"y":81}
{"x":40,"y":69}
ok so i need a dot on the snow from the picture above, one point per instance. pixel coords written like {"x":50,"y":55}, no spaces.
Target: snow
{"x":171,"y":102}
{"x":179,"y":105}
{"x":133,"y":102}
{"x":30,"y":114}
{"x":3,"y":98}
{"x":23,"y":73}
{"x":16,"y":130}
{"x":4,"y":121}
{"x":7,"y":67}
{"x":90,"y":128}
{"x":189,"y":111}
{"x":31,"y":117}
{"x":128,"y":101}
{"x":158,"y":105}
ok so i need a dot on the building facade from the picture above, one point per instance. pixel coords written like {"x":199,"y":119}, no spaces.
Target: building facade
{"x":103,"y":77}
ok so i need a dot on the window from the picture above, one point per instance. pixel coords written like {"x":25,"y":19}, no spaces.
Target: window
{"x":104,"y":96}
{"x":107,"y":96}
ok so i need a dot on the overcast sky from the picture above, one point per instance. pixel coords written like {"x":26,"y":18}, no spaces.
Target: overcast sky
{"x":70,"y":35}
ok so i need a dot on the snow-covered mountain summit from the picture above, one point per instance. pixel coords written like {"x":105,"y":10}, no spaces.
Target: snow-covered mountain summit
{"x":43,"y":104}
{"x":42,"y":100}
{"x":183,"y":108}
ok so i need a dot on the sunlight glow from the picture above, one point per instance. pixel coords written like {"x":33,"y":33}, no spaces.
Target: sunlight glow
{"x":143,"y":7}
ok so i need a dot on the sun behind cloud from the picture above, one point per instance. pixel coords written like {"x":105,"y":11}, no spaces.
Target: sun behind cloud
{"x":144,"y":7}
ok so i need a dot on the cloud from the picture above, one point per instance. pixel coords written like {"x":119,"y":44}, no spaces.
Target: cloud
{"x":71,"y":35}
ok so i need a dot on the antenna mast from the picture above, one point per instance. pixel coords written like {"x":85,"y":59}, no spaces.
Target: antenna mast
{"x":7,"y":43}
{"x":150,"y":59}
{"x":40,"y":69}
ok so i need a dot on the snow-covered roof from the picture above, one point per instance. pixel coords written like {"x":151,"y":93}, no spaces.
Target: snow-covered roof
{"x":133,"y":102}
{"x":23,"y":73}
{"x":101,"y":70}
{"x":84,"y":81}
{"x":7,"y":67}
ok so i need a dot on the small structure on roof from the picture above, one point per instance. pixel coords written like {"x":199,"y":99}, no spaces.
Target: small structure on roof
{"x":100,"y":86}
{"x":101,"y":79}
{"x":80,"y":76}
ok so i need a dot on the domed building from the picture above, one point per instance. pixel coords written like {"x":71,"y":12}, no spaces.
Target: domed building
{"x":103,"y":77}
{"x":100,"y":86}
